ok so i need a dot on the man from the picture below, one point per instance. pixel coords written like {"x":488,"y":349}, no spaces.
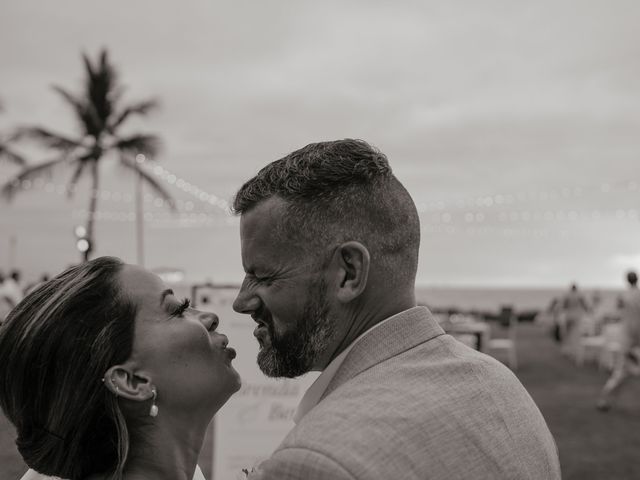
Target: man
{"x":330,"y":244}
{"x":629,"y":360}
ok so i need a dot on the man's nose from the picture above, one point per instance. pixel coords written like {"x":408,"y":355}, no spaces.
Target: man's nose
{"x":246,"y":302}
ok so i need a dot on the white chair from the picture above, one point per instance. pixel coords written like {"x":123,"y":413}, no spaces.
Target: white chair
{"x":507,"y":345}
{"x":589,"y":341}
{"x":589,"y":344}
{"x":612,"y":334}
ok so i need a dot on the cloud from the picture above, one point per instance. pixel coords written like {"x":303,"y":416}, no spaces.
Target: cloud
{"x":466,"y":99}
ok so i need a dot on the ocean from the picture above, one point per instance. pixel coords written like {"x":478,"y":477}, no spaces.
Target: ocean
{"x":492,"y":299}
{"x":467,"y":298}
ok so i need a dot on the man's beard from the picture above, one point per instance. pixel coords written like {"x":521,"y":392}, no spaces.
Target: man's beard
{"x":294,"y":352}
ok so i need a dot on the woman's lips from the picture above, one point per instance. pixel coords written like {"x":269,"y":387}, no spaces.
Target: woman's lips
{"x":230,"y":352}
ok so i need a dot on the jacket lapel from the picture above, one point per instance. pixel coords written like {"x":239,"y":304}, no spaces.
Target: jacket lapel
{"x":398,"y":334}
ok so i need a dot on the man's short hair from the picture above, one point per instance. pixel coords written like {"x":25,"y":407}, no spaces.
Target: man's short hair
{"x":632,"y":278}
{"x":340,"y":191}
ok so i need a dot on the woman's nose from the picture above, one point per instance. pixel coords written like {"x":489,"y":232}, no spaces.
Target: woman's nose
{"x":210,"y":320}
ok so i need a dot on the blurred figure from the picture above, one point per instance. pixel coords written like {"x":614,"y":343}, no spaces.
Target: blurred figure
{"x":574,"y":306}
{"x":12,"y":287}
{"x":6,"y":299}
{"x":628,"y":361}
{"x":596,"y":316}
{"x":554,"y":315}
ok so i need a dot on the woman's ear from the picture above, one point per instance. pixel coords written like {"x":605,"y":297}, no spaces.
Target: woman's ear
{"x":353,"y":268}
{"x":123,"y":382}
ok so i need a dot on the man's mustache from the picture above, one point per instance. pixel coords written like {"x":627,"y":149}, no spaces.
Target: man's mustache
{"x":263,"y":316}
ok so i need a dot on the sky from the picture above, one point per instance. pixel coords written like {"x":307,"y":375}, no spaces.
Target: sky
{"x":513,"y":125}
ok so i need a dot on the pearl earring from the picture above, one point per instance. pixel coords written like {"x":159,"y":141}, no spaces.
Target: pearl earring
{"x":153,"y":412}
{"x":113,"y":382}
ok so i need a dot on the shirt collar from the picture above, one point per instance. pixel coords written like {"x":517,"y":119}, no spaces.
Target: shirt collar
{"x":314,"y":393}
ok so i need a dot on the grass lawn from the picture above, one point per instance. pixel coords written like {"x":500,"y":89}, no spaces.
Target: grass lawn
{"x":593,"y":445}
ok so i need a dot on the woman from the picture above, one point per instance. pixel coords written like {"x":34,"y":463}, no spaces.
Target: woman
{"x":107,"y":375}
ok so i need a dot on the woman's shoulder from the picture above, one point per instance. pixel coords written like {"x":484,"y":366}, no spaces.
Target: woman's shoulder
{"x":33,"y":475}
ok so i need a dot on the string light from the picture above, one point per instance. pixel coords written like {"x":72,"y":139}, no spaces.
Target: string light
{"x":209,"y":199}
{"x":187,"y":187}
{"x":161,"y":219}
{"x":475,"y":212}
{"x":505,"y":199}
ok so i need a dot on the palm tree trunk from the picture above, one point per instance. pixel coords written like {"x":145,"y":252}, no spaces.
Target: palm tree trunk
{"x":93,"y":202}
{"x":139,"y":221}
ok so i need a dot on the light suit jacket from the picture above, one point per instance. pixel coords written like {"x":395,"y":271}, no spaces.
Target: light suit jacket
{"x":410,"y":402}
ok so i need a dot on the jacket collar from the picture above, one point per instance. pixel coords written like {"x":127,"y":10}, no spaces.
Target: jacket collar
{"x":398,"y":334}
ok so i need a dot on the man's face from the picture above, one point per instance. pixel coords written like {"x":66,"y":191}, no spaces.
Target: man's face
{"x":285,"y":293}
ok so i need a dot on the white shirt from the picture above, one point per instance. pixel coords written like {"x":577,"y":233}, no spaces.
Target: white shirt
{"x":314,"y":393}
{"x":31,"y":475}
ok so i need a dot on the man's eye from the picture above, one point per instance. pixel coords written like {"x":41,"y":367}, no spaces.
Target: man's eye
{"x":264,"y":280}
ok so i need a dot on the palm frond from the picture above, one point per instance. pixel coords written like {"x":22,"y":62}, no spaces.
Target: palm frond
{"x":148,"y":145}
{"x":149,"y":180}
{"x":11,"y":156}
{"x":104,"y":59}
{"x":140,"y":108}
{"x":47,"y":138}
{"x":100,"y":83}
{"x":10,"y":188}
{"x":85,"y":117}
{"x":87,"y":65}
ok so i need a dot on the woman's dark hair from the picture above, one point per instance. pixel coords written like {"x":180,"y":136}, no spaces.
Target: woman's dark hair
{"x":55,"y":347}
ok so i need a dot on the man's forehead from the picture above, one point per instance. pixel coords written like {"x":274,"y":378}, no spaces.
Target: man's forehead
{"x":262,"y":244}
{"x":263,"y":219}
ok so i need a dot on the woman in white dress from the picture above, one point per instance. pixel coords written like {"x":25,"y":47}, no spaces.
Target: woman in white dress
{"x":107,"y":375}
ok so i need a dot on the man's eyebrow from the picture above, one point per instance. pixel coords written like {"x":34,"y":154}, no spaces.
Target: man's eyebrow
{"x":166,"y":292}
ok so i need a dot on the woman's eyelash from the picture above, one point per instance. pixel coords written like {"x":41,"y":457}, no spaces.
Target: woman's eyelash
{"x":181,"y":308}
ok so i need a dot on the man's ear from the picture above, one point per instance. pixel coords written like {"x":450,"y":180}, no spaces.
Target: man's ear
{"x":353,"y":267}
{"x":123,"y":382}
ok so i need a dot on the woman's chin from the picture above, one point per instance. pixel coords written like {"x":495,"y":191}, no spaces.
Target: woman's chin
{"x":238,"y":381}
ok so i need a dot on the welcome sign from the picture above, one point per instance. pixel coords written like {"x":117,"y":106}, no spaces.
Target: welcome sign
{"x":256,"y":419}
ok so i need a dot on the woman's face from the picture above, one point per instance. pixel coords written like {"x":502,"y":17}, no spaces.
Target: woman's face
{"x":177,"y":347}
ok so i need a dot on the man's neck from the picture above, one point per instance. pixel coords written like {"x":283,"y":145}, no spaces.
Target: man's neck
{"x":365,"y":317}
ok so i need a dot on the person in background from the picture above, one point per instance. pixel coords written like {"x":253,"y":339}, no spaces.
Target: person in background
{"x":628,"y":362}
{"x":6,"y":298}
{"x":596,"y":316}
{"x":13,"y":286}
{"x":551,"y":318}
{"x":574,"y":308}
{"x":329,"y":243}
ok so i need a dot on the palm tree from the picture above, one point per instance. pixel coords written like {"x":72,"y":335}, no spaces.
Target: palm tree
{"x":7,"y":153}
{"x":100,"y":116}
